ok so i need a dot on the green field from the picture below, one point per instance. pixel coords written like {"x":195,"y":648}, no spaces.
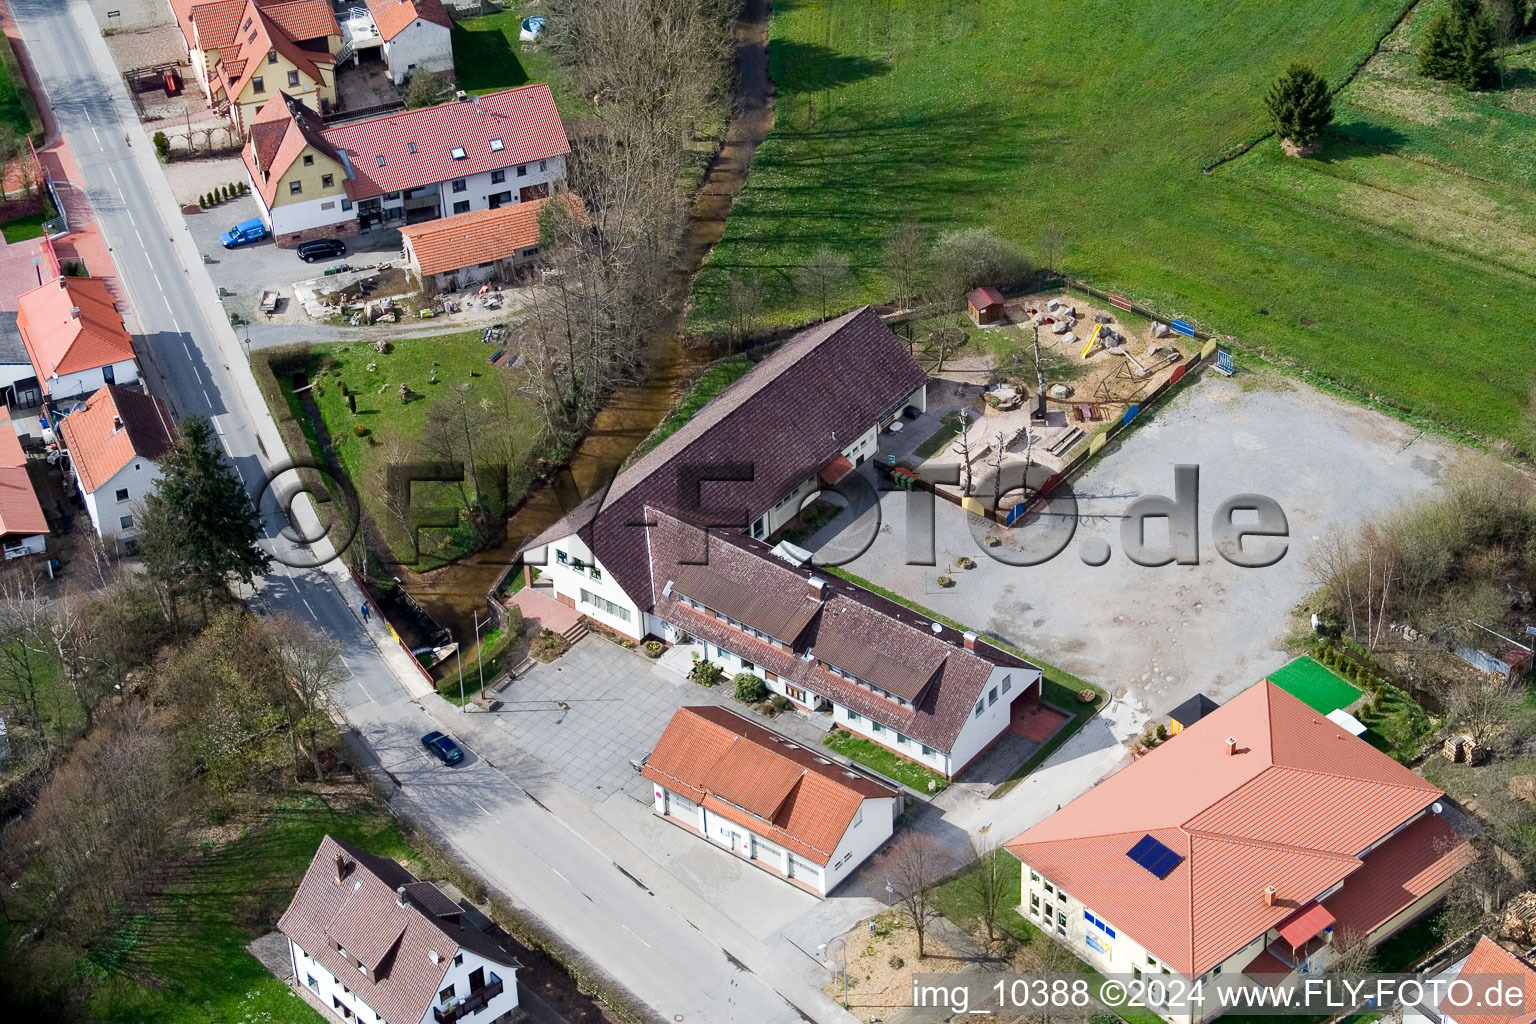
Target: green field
{"x":716,"y":378}
{"x":1397,"y":264}
{"x":487,"y":57}
{"x":1314,"y":685}
{"x":17,"y":107}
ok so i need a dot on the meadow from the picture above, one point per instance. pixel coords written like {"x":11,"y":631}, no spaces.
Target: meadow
{"x":1396,"y":265}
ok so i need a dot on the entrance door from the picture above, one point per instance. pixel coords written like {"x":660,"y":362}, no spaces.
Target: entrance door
{"x":735,"y":841}
{"x":752,"y":847}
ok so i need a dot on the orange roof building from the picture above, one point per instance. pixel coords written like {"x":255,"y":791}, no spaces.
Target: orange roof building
{"x":1240,"y":846}
{"x":415,"y":36}
{"x":75,"y":337}
{"x":788,"y":810}
{"x":475,"y":246}
{"x":1489,"y":958}
{"x":23,"y":527}
{"x":115,"y":444}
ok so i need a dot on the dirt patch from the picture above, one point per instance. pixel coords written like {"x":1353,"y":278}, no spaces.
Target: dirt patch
{"x":881,"y":965}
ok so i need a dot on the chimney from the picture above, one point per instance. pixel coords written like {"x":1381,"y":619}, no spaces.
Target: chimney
{"x":1269,"y":895}
{"x":341,"y":868}
{"x":74,"y":312}
{"x":815,"y":587}
{"x":970,"y":640}
{"x":461,"y":96}
{"x":400,"y":896}
{"x":62,"y":286}
{"x":117,"y":424}
{"x":1231,"y":746}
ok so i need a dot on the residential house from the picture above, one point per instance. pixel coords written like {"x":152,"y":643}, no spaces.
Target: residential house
{"x":463,"y":250}
{"x":921,"y":689}
{"x":243,"y":52}
{"x":1242,"y":848}
{"x":75,"y":337}
{"x":1490,"y":963}
{"x":373,"y":944}
{"x":23,"y":527}
{"x":783,"y":808}
{"x":411,"y":36}
{"x":116,"y":445}
{"x":798,"y":421}
{"x":473,"y":153}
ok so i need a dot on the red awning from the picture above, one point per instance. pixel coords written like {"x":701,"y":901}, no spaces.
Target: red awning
{"x":1305,"y":923}
{"x":835,"y":470}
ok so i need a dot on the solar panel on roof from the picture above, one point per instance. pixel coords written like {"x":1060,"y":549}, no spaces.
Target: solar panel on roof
{"x":1154,"y":856}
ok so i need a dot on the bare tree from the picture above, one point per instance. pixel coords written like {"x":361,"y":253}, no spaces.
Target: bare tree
{"x":312,"y":663}
{"x":943,"y":343}
{"x":24,"y":654}
{"x":904,"y":252}
{"x":917,"y":865}
{"x":1053,"y":239}
{"x":962,"y":448}
{"x":1350,"y":952}
{"x":986,"y":881}
{"x":821,"y":278}
{"x":1484,"y":706}
{"x":742,"y":305}
{"x":997,"y":472}
{"x":1506,"y":20}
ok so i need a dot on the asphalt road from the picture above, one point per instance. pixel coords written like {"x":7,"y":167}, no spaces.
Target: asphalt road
{"x":192,"y":357}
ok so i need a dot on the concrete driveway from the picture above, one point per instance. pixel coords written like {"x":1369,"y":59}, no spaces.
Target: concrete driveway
{"x":1159,"y":635}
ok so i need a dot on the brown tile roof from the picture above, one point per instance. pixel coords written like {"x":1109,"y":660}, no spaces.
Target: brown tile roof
{"x":524,"y":119}
{"x":1291,"y":808}
{"x":395,"y":943}
{"x":1406,"y":867}
{"x":115,"y":427}
{"x":303,"y":20}
{"x":61,"y":341}
{"x":280,"y":132}
{"x":1488,"y":957}
{"x":215,"y":22}
{"x":393,"y":16}
{"x":775,"y":427}
{"x":757,"y":778}
{"x":267,"y":33}
{"x":480,"y":236}
{"x":983,"y":297}
{"x":846,"y":618}
{"x":20,"y":513}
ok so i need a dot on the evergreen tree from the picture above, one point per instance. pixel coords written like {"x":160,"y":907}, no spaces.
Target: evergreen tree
{"x":1438,"y":56}
{"x":1477,"y":66}
{"x":1300,"y":105}
{"x":200,"y":530}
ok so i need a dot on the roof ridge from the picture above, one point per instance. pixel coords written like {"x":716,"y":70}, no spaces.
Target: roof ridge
{"x":1266,"y":844}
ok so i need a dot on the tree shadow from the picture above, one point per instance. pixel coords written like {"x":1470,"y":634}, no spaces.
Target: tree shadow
{"x":486,"y":59}
{"x":1518,"y":78}
{"x":814,"y":68}
{"x":1343,"y":138}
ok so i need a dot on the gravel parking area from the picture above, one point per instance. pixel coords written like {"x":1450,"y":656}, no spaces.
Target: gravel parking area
{"x":1162,"y":634}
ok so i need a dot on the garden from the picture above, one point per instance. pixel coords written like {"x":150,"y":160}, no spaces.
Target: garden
{"x":1303,"y":261}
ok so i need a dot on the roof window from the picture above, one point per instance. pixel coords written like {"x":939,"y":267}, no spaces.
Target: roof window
{"x":457,"y":152}
{"x":496,"y":146}
{"x":410,"y":147}
{"x":381,"y":160}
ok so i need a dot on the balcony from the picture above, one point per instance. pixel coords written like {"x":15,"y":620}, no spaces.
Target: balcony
{"x":469,"y":1004}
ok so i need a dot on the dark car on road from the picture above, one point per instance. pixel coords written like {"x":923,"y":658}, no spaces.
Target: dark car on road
{"x":443,"y":747}
{"x":321,"y":249}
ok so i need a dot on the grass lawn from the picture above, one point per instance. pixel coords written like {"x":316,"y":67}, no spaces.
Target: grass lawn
{"x":1057,"y":687}
{"x":716,"y":378}
{"x":17,"y":107}
{"x":1316,"y":686}
{"x":184,"y":960}
{"x":1392,"y":265}
{"x":512,"y":422}
{"x":953,"y":423}
{"x":873,"y":755}
{"x":25,"y":227}
{"x":1400,"y":726}
{"x":487,"y":57}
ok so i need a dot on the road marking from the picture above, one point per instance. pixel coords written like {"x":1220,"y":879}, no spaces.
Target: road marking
{"x":638,"y":939}
{"x":116,"y":182}
{"x":94,"y":135}
{"x":207,"y":399}
{"x":567,"y":881}
{"x":488,"y":814}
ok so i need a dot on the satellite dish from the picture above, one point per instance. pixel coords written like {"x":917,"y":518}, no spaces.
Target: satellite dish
{"x":937,"y":628}
{"x":1437,"y":807}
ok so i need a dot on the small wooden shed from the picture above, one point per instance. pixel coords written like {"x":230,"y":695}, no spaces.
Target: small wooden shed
{"x":986,"y":305}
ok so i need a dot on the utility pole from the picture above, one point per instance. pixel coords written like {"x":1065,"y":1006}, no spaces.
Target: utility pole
{"x":479,"y":660}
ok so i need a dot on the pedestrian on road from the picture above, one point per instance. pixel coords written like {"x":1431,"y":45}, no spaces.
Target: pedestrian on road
{"x":366,"y":612}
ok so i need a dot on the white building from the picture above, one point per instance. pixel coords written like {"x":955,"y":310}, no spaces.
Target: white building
{"x":768,"y":800}
{"x":75,"y":336}
{"x":474,"y":153}
{"x":373,"y":944}
{"x":115,"y":445}
{"x":416,"y":36}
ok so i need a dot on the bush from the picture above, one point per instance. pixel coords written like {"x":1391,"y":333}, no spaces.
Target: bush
{"x":706,"y":673}
{"x":779,"y":703}
{"x":244,"y":188}
{"x":352,"y":404}
{"x":748,"y":688}
{"x":360,"y":430}
{"x":652,"y":648}
{"x":202,"y":201}
{"x":1300,"y":104}
{"x":162,"y":146}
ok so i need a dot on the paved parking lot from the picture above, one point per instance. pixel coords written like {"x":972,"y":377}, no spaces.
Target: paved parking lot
{"x":1163,"y":634}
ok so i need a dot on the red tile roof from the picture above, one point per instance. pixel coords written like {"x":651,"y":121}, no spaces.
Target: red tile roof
{"x":1304,"y":924}
{"x":267,"y":33}
{"x":1488,"y":957}
{"x":407,"y":950}
{"x":524,"y":119}
{"x":1400,"y":871}
{"x":20,"y":513}
{"x":208,"y":25}
{"x":981,"y":298}
{"x":61,"y":341}
{"x":115,"y":427}
{"x":302,"y":20}
{"x":394,"y":16}
{"x":757,"y":778}
{"x":281,"y":131}
{"x":481,"y":236}
{"x":884,"y":643}
{"x":1291,"y":808}
{"x":778,"y":424}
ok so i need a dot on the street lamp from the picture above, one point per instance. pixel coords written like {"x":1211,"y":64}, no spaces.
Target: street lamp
{"x":479,"y":660}
{"x":459,"y":662}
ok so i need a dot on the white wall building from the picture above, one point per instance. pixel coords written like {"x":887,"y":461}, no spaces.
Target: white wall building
{"x":115,"y":445}
{"x":417,"y":36}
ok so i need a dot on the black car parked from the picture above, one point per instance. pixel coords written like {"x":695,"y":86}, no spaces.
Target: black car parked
{"x":443,"y":747}
{"x":321,"y":249}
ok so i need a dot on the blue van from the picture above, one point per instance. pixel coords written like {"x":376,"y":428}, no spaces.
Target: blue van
{"x":245,"y":232}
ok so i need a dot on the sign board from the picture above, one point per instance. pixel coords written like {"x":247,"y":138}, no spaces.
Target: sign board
{"x":1120,"y":301}
{"x":1178,"y":373}
{"x":1015,"y":514}
{"x":1182,"y":327}
{"x":1224,"y":363}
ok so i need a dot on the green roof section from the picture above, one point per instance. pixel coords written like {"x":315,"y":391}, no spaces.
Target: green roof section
{"x":1314,"y":685}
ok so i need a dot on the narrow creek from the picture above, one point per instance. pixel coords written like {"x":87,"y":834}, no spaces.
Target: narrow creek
{"x":455,"y":594}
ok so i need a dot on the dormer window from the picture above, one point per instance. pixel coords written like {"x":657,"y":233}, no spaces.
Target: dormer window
{"x":496,"y":146}
{"x":457,"y":152}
